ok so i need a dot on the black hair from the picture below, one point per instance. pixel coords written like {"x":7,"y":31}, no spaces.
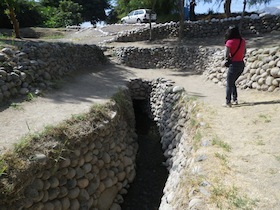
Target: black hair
{"x":232,"y":33}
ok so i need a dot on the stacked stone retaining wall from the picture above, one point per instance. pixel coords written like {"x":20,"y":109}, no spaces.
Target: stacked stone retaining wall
{"x":253,"y":24}
{"x":262,"y":69}
{"x":86,"y":165}
{"x":34,"y":65}
{"x":217,"y":27}
{"x":262,"y":66}
{"x":192,"y":59}
{"x":171,"y":111}
{"x":95,"y":167}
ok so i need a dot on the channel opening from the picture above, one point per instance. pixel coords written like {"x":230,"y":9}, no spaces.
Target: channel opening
{"x":146,"y":190}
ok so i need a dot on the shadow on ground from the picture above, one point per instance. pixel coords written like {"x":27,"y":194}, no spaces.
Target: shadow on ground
{"x":258,"y":103}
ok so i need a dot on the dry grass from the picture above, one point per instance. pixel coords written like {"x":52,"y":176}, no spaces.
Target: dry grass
{"x":17,"y":166}
{"x":214,"y":170}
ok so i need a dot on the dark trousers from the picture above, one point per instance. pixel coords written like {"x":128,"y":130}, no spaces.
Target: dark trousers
{"x":192,"y":15}
{"x":234,"y":71}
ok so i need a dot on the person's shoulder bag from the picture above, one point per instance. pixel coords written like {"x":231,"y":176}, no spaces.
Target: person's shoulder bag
{"x":228,"y":60}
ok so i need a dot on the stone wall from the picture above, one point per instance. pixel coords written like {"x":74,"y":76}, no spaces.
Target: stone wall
{"x":31,"y":68}
{"x":262,"y":71}
{"x":193,"y":59}
{"x":253,"y":24}
{"x":85,"y":164}
{"x":97,"y":164}
{"x":171,"y":110}
{"x":160,"y":31}
{"x":216,"y":27}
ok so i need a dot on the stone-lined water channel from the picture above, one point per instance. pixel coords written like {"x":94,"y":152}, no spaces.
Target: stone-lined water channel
{"x":147,"y":188}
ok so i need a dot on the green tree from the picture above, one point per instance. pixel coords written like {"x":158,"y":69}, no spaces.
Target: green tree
{"x":71,"y":12}
{"x":49,"y":3}
{"x":227,"y":4}
{"x":28,"y":13}
{"x":67,"y":13}
{"x":93,"y":10}
{"x":161,"y":7}
{"x":165,"y":7}
{"x":256,"y":2}
{"x":182,"y":17}
{"x":123,"y":8}
{"x":50,"y":15}
{"x":112,"y":16}
{"x":150,"y":22}
{"x":10,"y":12}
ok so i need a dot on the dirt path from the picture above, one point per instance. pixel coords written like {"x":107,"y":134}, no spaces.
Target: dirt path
{"x":251,"y":128}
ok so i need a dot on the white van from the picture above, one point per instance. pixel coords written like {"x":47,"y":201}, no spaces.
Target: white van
{"x":139,"y":16}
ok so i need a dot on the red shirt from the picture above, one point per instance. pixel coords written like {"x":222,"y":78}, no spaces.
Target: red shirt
{"x":233,"y":45}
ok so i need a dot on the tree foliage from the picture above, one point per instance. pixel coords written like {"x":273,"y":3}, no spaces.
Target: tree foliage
{"x":31,"y":13}
{"x":54,"y":13}
{"x":49,"y":3}
{"x":168,"y":7}
{"x":93,"y":10}
{"x":256,"y":2}
{"x":28,"y":13}
{"x":10,"y":12}
{"x":59,"y":13}
{"x":161,"y":7}
{"x":112,"y":17}
{"x":227,"y":4}
{"x":67,"y":13}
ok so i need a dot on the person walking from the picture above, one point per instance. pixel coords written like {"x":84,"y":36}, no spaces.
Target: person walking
{"x":235,"y":50}
{"x":192,"y":13}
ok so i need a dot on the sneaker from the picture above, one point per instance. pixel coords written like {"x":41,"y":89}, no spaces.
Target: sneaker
{"x":235,"y":102}
{"x":227,"y":105}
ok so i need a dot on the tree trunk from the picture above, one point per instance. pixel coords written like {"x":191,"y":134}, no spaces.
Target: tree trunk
{"x":181,"y":24}
{"x":14,"y":21}
{"x":243,"y":14}
{"x":227,"y":8}
{"x":150,"y":21}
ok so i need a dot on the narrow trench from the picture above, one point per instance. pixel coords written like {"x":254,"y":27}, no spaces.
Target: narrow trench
{"x":146,"y":191}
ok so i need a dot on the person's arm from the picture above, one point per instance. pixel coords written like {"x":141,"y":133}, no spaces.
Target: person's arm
{"x":227,"y":50}
{"x":245,"y":50}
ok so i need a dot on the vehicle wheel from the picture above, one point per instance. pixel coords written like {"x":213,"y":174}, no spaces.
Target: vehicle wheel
{"x":123,"y":22}
{"x":138,"y":21}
